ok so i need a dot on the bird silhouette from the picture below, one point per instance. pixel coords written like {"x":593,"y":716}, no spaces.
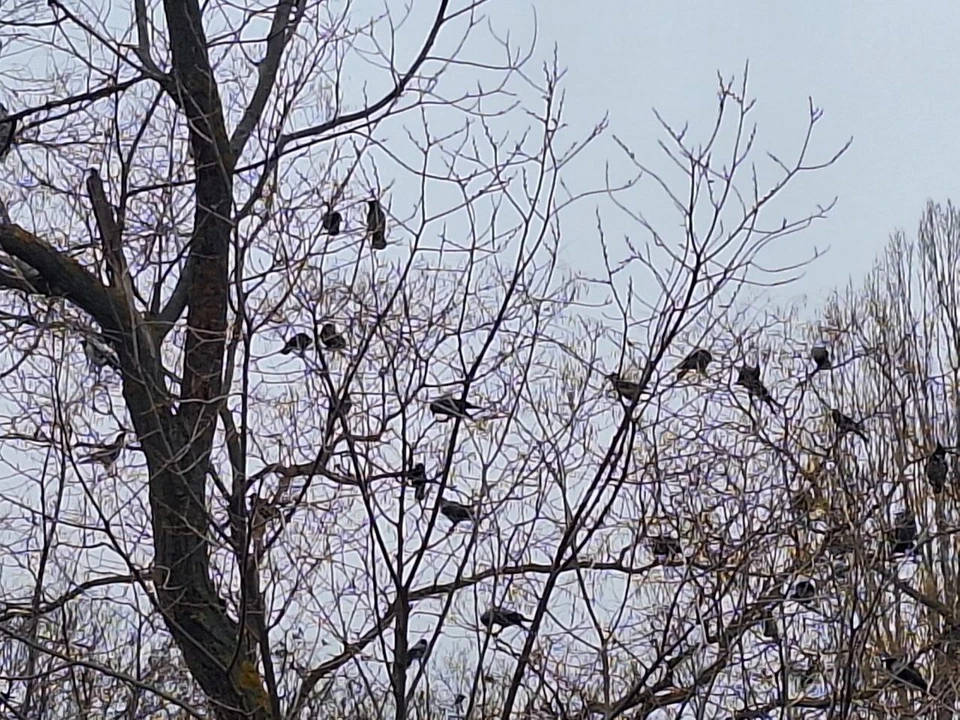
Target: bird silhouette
{"x":8,"y":131}
{"x":903,"y":535}
{"x":748,"y":377}
{"x":99,"y":354}
{"x":417,"y":652}
{"x":376,"y":225}
{"x":696,"y":361}
{"x":846,"y":424}
{"x":107,"y":455}
{"x":417,"y":476}
{"x":626,"y":389}
{"x":936,"y":469}
{"x":803,"y":591}
{"x":501,"y":617}
{"x":298,"y":344}
{"x":331,"y":222}
{"x":821,"y":358}
{"x":450,"y":406}
{"x":455,"y":512}
{"x":665,"y":546}
{"x":331,"y":339}
{"x":907,"y":673}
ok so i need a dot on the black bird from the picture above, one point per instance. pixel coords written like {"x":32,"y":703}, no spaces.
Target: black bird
{"x":627,"y":389}
{"x":455,"y":512}
{"x":376,"y":225}
{"x":903,"y":535}
{"x":821,"y":357}
{"x":749,"y":377}
{"x":937,"y":469}
{"x":450,"y":406}
{"x":331,"y":222}
{"x":459,"y":699}
{"x":99,"y":354}
{"x":846,"y":424}
{"x":8,"y":130}
{"x":299,"y":343}
{"x":665,"y":546}
{"x":331,"y":339}
{"x":803,"y":591}
{"x":770,"y":629}
{"x":417,"y":475}
{"x":417,"y":652}
{"x":904,"y":671}
{"x":108,"y":454}
{"x":695,"y":361}
{"x":503,"y":618}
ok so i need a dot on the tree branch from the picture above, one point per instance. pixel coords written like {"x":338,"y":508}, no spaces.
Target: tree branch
{"x":281,"y":30}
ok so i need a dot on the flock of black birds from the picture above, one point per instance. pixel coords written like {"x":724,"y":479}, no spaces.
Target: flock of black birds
{"x":902,"y":537}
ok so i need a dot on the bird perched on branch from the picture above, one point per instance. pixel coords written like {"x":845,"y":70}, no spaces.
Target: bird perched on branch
{"x":298,"y":344}
{"x":626,"y":389}
{"x":417,"y":652}
{"x":903,"y":535}
{"x":748,"y":377}
{"x":503,"y":618}
{"x":803,"y":591}
{"x":331,"y":339}
{"x":456,"y":512}
{"x":8,"y":131}
{"x":99,"y":354}
{"x":450,"y":406}
{"x":821,"y":358}
{"x":696,"y":361}
{"x":106,"y":455}
{"x":417,"y":477}
{"x":331,"y":222}
{"x":665,"y":546}
{"x":907,"y":673}
{"x":376,"y":225}
{"x":846,"y":424}
{"x":936,"y":469}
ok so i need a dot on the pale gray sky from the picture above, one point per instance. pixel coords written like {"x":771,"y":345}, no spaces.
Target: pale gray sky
{"x":884,"y":73}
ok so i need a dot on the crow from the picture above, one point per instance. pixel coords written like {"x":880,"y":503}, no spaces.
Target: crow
{"x":450,"y":406}
{"x":695,"y":361}
{"x":8,"y":131}
{"x":627,"y":389}
{"x":665,"y":546}
{"x":417,"y":475}
{"x":906,"y":673}
{"x":331,"y":339}
{"x":846,"y":424}
{"x":821,"y":358}
{"x":455,"y":512}
{"x":106,"y":455}
{"x":331,"y":222}
{"x":749,"y":378}
{"x":503,"y":618}
{"x":903,"y":535}
{"x":417,"y":652}
{"x":936,"y":469}
{"x":298,"y":344}
{"x":376,"y":225}
{"x":803,"y":591}
{"x":99,"y":354}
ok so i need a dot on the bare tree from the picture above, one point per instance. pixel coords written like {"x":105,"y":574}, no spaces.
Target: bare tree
{"x":295,"y":380}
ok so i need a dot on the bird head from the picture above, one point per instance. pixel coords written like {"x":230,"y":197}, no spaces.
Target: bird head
{"x":613,"y":376}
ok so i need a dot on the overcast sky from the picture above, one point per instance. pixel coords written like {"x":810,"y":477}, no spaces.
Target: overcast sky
{"x":884,"y":73}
